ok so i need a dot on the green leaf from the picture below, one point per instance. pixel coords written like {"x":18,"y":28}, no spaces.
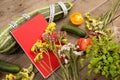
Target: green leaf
{"x":116,"y":56}
{"x":107,"y":74}
{"x":113,"y":73}
{"x":96,"y":50}
{"x":99,"y":67}
{"x":88,"y":49}
{"x":101,"y":43}
{"x":100,"y":63}
{"x":104,"y":57}
{"x":106,"y":62}
{"x":96,"y":70}
{"x":89,"y":66}
{"x":81,"y":61}
{"x":104,"y":50}
{"x":113,"y":67}
{"x":105,"y":68}
{"x":94,"y":61}
{"x":103,"y":73}
{"x":116,"y":78}
{"x":110,"y":59}
{"x":89,"y":72}
{"x":87,"y":55}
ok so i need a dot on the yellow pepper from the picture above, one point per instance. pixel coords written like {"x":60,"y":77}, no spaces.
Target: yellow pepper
{"x":76,"y":18}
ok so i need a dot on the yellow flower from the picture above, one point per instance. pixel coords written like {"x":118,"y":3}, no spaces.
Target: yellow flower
{"x":58,"y":46}
{"x":50,"y":28}
{"x":39,"y":43}
{"x":33,"y":49}
{"x":38,"y":57}
{"x":112,"y":35}
{"x":64,"y":41}
{"x":37,"y":46}
{"x":24,"y":75}
{"x":10,"y":77}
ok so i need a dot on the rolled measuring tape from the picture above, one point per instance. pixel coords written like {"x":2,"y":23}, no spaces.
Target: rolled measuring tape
{"x":13,"y":24}
{"x":26,"y":16}
{"x":64,"y":8}
{"x":52,"y":10}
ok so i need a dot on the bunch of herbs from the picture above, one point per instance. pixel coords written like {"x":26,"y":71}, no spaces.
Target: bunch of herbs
{"x":104,"y":56}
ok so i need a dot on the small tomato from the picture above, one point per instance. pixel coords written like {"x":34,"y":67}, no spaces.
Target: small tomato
{"x":83,"y":43}
{"x":76,"y":18}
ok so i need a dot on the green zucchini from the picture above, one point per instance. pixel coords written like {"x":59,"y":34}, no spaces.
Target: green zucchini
{"x":9,"y":67}
{"x":7,"y":43}
{"x":74,"y":30}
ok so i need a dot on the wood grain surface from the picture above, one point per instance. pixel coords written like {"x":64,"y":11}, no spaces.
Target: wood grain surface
{"x":11,"y":9}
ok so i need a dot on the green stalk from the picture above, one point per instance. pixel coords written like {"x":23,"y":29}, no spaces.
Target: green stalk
{"x":73,"y":65}
{"x":53,"y":76}
{"x":61,"y":64}
{"x":65,"y":70}
{"x":109,"y":15}
{"x":76,"y":69}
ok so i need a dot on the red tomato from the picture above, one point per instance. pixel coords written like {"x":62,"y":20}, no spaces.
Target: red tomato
{"x":83,"y":43}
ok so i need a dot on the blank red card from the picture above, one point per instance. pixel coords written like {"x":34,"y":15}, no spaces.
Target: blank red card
{"x":27,"y":34}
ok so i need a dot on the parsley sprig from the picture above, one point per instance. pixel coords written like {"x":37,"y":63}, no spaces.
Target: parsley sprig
{"x":105,"y":57}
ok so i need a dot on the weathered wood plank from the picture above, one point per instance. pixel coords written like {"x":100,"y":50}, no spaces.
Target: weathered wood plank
{"x":11,"y":9}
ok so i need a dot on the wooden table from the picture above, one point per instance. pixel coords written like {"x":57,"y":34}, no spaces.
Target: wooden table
{"x":11,"y":9}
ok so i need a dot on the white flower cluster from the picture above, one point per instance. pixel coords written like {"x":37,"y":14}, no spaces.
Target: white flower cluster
{"x":78,"y":52}
{"x":67,"y":47}
{"x":65,"y":51}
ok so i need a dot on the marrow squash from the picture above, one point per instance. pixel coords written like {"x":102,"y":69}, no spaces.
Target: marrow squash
{"x":8,"y":44}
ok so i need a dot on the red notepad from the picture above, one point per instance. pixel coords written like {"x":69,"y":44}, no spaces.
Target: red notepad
{"x":27,"y":34}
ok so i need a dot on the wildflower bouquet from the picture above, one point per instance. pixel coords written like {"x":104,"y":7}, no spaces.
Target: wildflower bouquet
{"x":66,"y":53}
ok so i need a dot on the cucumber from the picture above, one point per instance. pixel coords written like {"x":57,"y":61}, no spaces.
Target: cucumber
{"x":74,"y":30}
{"x":9,"y":67}
{"x":7,"y":43}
